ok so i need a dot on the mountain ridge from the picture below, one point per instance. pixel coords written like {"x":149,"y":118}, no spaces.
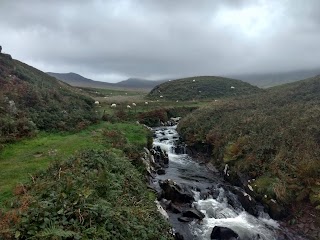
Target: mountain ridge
{"x":77,"y":80}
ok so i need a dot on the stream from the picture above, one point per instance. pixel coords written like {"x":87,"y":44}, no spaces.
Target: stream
{"x":211,"y":196}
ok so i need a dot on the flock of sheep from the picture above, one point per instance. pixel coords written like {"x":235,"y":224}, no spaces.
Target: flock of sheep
{"x":114,"y":105}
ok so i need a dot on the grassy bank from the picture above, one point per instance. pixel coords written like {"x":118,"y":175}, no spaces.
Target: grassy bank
{"x":19,"y":161}
{"x":94,"y":193}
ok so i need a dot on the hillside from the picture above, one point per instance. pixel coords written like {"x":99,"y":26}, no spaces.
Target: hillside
{"x":265,"y":80}
{"x":139,"y":83}
{"x":205,"y":87}
{"x":77,"y":80}
{"x":272,"y":137}
{"x":31,"y":100}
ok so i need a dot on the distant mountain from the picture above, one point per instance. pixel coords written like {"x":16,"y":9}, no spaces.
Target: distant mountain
{"x":202,"y":87}
{"x":139,"y":83}
{"x":265,"y":80}
{"x":77,"y":80}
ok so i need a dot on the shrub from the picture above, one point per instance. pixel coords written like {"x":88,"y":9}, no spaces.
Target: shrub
{"x":94,"y":195}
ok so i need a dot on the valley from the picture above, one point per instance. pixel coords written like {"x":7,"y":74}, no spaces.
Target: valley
{"x":264,"y":141}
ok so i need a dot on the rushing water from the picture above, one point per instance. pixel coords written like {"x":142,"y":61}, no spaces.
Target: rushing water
{"x":217,"y":209}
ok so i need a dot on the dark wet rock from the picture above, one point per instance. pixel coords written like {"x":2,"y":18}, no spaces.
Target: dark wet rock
{"x":247,"y":202}
{"x":163,"y":139}
{"x":180,"y":149}
{"x":161,"y":171}
{"x":174,"y":208}
{"x":165,"y":159}
{"x":223,"y":233}
{"x":175,"y":192}
{"x":215,"y":192}
{"x":185,"y":219}
{"x":193,"y":213}
{"x":275,"y":210}
{"x":233,"y":178}
{"x":204,"y":194}
{"x":178,"y":236}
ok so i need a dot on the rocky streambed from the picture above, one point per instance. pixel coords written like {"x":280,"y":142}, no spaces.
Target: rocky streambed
{"x":197,"y":201}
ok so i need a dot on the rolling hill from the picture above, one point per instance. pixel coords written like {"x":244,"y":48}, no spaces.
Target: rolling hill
{"x":77,"y":80}
{"x":272,"y":137}
{"x":31,"y":100}
{"x":204,"y":87}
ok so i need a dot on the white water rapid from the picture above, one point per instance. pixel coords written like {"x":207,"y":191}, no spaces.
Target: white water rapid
{"x":217,"y":209}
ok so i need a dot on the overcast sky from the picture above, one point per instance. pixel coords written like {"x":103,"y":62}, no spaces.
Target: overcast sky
{"x":111,"y":40}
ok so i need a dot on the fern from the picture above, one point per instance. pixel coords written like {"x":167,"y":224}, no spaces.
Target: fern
{"x":54,"y":232}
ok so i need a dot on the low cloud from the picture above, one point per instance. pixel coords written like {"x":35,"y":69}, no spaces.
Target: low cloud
{"x":113,"y":40}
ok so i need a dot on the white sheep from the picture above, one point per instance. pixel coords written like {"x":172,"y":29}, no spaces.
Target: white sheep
{"x":161,"y":96}
{"x":232,"y":87}
{"x":193,"y":80}
{"x":134,"y":104}
{"x":97,"y":102}
{"x":146,"y":103}
{"x":113,"y":105}
{"x":128,"y":106}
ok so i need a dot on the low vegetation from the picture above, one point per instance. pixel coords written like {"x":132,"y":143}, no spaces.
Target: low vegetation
{"x":273,"y":137}
{"x":199,"y":88}
{"x":30,"y":100}
{"x":97,"y":193}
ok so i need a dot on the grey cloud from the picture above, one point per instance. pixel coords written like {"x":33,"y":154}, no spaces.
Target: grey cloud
{"x":147,"y":38}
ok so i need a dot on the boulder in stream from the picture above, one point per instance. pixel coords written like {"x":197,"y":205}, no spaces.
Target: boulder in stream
{"x":176,"y":193}
{"x":174,"y":208}
{"x":178,"y":236}
{"x":185,"y":219}
{"x":161,"y":171}
{"x":223,"y":233}
{"x":193,"y":213}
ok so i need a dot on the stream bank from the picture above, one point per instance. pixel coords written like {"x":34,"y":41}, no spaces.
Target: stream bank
{"x":199,"y":203}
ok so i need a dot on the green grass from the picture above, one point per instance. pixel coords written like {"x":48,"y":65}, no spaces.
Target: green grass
{"x":22,"y":159}
{"x":132,"y":132}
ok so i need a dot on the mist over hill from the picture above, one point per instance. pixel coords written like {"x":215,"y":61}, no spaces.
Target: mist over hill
{"x":265,"y":80}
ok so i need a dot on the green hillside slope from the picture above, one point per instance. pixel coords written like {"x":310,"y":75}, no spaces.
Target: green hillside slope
{"x":31,"y":100}
{"x":206,"y":87}
{"x":273,"y":137}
